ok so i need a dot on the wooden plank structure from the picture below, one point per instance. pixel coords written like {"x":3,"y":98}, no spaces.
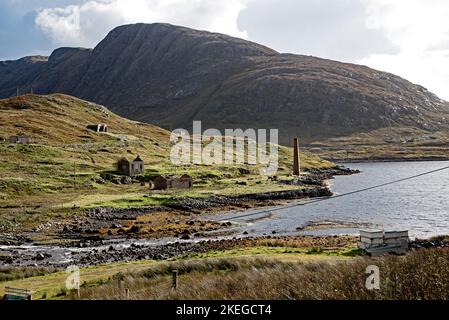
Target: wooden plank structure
{"x":17,"y":294}
{"x":379,"y":242}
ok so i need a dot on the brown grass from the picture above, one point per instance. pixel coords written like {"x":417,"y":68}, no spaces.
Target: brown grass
{"x":15,"y":273}
{"x":419,"y":275}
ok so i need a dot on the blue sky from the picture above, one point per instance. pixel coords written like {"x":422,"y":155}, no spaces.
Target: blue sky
{"x":19,"y":34}
{"x":406,"y":37}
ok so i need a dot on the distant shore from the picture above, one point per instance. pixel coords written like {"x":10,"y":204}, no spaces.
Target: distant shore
{"x":364,"y":160}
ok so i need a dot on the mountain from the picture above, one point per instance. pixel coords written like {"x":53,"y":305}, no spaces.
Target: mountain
{"x":170,"y":76}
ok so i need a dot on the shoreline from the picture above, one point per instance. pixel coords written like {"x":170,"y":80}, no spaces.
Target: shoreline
{"x":180,"y":221}
{"x":103,"y":223}
{"x":385,"y":160}
{"x":109,"y":253}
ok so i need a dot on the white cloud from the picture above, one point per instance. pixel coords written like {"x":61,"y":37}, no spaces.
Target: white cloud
{"x":407,"y":37}
{"x":334,"y":29}
{"x":87,"y":23}
{"x":421,"y":32}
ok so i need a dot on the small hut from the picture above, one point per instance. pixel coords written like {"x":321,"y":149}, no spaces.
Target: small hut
{"x":98,"y":127}
{"x":131,"y":168}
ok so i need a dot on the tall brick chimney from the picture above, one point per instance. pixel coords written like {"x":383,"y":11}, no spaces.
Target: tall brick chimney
{"x":296,"y":160}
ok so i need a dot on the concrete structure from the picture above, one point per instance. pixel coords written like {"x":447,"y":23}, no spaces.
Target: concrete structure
{"x":131,"y":168}
{"x":98,"y":127}
{"x":296,"y":160}
{"x":378,"y":242}
{"x":20,"y":139}
{"x":171,"y":182}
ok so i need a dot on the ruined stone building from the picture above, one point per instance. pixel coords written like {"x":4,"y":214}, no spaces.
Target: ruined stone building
{"x":171,"y":182}
{"x":131,"y":168}
{"x":98,"y":127}
{"x":20,"y":139}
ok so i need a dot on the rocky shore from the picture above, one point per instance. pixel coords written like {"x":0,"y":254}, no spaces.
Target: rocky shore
{"x":106,"y":222}
{"x":192,"y":204}
{"x":434,"y":242}
{"x":95,"y":253}
{"x":173,"y":220}
{"x":91,"y":253}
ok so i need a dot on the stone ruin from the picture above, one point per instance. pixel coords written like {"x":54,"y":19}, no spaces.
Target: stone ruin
{"x":98,"y":127}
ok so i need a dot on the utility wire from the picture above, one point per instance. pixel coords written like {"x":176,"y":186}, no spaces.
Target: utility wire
{"x":339,"y":195}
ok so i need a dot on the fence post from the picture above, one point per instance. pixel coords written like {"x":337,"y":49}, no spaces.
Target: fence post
{"x":75,"y":293}
{"x":175,"y":279}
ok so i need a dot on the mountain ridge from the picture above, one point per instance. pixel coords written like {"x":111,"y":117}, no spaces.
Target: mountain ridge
{"x":169,"y":76}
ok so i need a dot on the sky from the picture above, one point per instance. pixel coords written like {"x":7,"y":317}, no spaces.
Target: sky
{"x":409,"y":38}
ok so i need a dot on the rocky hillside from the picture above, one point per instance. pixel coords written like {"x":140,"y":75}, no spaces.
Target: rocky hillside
{"x":169,"y":76}
{"x":68,"y":168}
{"x":60,"y":120}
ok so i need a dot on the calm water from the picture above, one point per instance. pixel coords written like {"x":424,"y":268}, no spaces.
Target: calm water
{"x":420,"y":205}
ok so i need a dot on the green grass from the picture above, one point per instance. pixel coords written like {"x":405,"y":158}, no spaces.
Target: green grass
{"x":51,"y":284}
{"x":136,"y":201}
{"x":263,"y":250}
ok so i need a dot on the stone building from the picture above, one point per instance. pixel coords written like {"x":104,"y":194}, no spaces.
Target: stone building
{"x":131,"y":168}
{"x":20,"y":139}
{"x":98,"y":127}
{"x":160,"y":182}
{"x":183,"y":182}
{"x":171,"y":182}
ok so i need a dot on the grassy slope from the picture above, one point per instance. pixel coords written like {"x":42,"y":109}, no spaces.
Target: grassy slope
{"x":386,"y":144}
{"x":37,"y":181}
